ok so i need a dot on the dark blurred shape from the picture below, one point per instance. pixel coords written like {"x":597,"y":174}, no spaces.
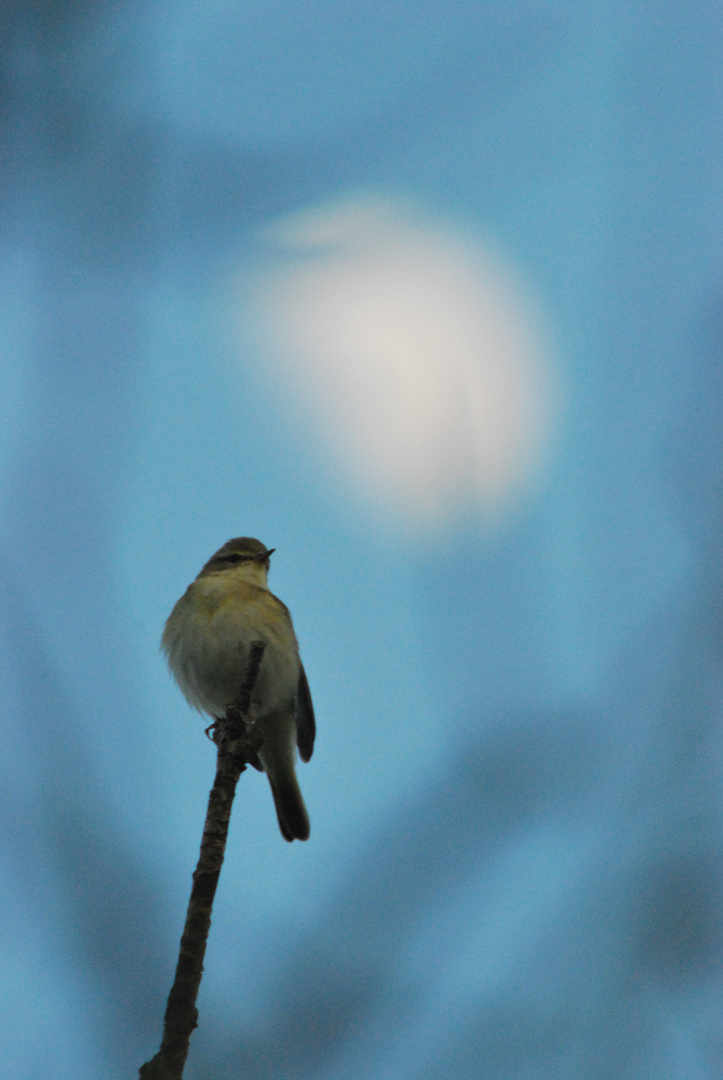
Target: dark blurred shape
{"x":101,"y":901}
{"x":680,"y":921}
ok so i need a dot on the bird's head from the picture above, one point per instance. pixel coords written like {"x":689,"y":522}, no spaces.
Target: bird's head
{"x":245,"y":554}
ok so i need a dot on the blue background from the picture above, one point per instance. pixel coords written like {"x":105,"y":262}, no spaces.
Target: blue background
{"x":516,"y":859}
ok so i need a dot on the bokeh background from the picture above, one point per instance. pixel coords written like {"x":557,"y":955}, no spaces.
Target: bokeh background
{"x":427,"y":297}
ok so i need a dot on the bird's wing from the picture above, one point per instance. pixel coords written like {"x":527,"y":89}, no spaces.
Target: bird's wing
{"x":305,"y":722}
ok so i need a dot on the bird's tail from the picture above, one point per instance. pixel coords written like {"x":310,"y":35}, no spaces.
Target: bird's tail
{"x":290,"y":809}
{"x":277,"y":755}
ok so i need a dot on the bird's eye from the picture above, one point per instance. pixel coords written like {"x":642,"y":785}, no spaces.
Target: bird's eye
{"x":234,"y":557}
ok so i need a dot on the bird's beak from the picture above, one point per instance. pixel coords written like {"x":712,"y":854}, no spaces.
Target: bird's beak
{"x":263,"y":555}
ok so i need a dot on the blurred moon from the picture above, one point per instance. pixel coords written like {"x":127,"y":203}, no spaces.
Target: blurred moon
{"x":414,"y":353}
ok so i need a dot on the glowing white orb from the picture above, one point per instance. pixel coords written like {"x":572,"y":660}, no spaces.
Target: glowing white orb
{"x":414,"y":354}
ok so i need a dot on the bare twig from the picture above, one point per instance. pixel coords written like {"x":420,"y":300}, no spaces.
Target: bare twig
{"x":238,"y":743}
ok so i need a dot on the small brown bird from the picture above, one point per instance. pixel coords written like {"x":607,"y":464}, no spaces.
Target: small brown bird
{"x":207,"y":639}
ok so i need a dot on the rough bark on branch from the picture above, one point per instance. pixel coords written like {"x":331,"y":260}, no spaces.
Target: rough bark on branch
{"x":238,"y":744}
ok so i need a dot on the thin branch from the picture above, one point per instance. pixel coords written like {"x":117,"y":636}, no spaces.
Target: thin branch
{"x":238,"y":743}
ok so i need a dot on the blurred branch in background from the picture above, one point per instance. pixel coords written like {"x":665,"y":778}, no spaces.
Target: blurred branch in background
{"x":95,"y":892}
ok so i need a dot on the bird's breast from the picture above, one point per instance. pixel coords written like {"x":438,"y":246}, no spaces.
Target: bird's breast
{"x":207,"y":640}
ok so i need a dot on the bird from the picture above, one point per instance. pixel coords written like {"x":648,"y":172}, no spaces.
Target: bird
{"x":207,"y":638}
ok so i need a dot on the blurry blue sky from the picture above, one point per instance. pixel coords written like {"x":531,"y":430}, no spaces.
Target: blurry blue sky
{"x":515,"y":861}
